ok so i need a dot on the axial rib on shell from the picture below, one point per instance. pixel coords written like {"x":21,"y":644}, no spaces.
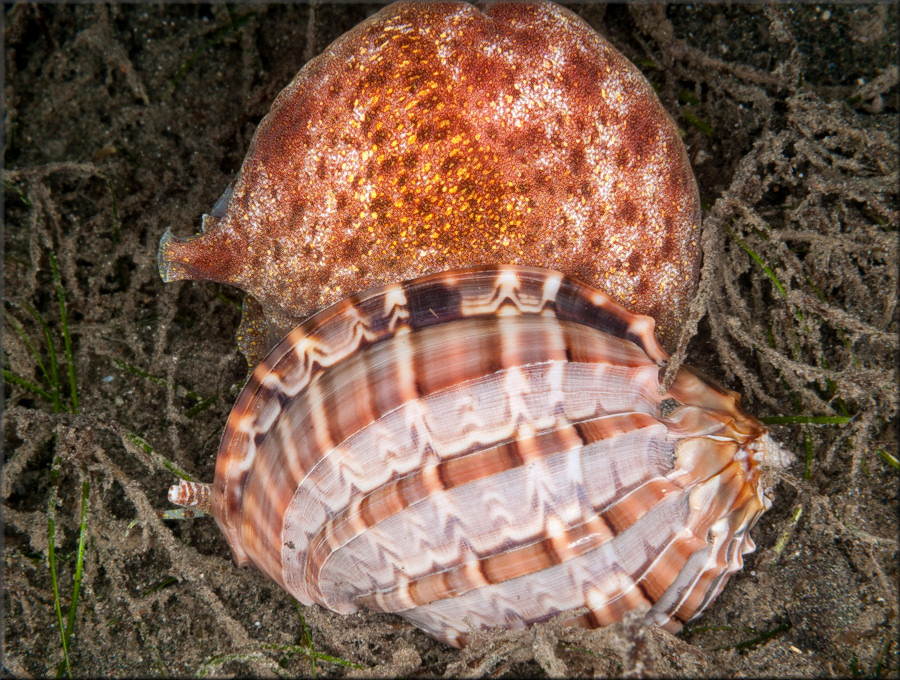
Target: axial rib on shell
{"x":488,"y":447}
{"x":440,"y":136}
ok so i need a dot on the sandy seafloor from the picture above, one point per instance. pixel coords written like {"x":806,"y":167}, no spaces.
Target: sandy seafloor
{"x":123,"y":120}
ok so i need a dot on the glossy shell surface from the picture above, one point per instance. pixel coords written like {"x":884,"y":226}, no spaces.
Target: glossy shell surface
{"x":488,"y":447}
{"x":436,"y":136}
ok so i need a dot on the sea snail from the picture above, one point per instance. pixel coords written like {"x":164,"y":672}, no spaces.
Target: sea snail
{"x":441,"y":136}
{"x":487,"y":447}
{"x":484,"y":446}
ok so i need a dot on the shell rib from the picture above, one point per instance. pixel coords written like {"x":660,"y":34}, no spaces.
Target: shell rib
{"x":488,"y":447}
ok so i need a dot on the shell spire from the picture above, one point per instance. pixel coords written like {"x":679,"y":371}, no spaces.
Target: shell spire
{"x":194,"y":495}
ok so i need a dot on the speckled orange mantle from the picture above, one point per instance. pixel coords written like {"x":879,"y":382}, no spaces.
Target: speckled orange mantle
{"x":438,"y":136}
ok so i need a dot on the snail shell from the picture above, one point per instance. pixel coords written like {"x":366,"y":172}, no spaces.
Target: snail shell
{"x":487,"y":447}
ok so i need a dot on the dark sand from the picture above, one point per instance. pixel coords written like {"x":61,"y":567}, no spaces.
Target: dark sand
{"x":122,"y":121}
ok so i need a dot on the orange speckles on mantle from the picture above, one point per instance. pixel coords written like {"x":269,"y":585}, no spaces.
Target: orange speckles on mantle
{"x":439,"y":136}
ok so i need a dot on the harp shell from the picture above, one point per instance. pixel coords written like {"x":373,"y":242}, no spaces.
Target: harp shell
{"x":488,"y":447}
